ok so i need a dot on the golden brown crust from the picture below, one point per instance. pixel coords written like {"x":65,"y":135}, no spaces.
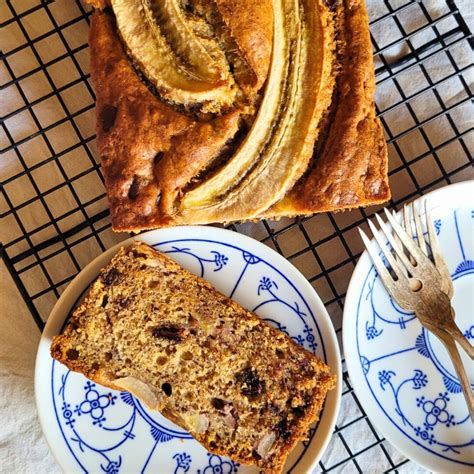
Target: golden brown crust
{"x":132,"y":126}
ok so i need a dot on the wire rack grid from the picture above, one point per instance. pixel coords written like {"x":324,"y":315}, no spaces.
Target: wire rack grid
{"x":53,"y":212}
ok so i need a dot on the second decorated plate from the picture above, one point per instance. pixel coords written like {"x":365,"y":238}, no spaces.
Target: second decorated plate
{"x":401,"y":372}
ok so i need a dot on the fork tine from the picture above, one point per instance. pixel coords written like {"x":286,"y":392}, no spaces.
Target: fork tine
{"x":419,"y":230}
{"x":406,"y":225}
{"x":434,"y":243}
{"x":376,"y":260}
{"x":406,"y":221}
{"x":438,"y":258}
{"x":407,"y":241}
{"x":396,"y":267}
{"x":398,"y":241}
{"x":395,"y":243}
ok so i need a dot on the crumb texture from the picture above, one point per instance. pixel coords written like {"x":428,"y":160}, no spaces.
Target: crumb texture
{"x":240,"y":387}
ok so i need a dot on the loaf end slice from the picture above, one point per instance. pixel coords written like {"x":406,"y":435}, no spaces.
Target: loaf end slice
{"x":240,"y":387}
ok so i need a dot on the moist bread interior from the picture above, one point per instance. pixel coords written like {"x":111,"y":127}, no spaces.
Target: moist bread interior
{"x":239,"y":386}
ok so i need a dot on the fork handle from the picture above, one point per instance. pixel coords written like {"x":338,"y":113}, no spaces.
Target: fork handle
{"x":458,"y":336}
{"x":450,"y":345}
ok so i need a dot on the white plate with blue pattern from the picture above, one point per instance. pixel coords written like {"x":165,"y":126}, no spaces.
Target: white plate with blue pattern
{"x":91,"y":428}
{"x":401,"y":373}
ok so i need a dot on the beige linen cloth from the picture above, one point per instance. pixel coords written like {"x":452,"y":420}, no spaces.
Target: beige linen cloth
{"x":22,"y":446}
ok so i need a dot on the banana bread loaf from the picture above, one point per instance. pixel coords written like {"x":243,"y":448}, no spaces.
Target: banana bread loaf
{"x":240,"y":387}
{"x":234,"y":110}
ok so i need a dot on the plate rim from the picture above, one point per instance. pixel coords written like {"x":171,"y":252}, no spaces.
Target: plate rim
{"x":89,"y":272}
{"x":390,"y":430}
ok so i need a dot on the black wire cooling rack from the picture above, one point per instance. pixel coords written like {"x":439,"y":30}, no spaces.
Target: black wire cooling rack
{"x":53,"y":212}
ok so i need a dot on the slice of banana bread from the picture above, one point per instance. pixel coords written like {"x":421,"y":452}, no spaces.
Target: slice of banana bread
{"x":240,"y":387}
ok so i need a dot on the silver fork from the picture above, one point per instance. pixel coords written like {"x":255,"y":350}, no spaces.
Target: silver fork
{"x":420,"y":286}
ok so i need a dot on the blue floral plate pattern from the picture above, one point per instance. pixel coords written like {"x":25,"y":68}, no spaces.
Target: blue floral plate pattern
{"x":401,"y":373}
{"x":91,"y":428}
